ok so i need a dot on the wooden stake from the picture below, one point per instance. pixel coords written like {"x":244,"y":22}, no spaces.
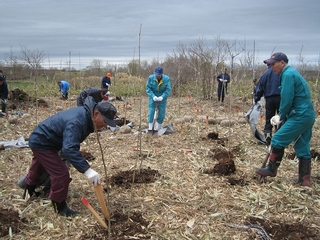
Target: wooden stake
{"x":94,"y":213}
{"x":103,"y":206}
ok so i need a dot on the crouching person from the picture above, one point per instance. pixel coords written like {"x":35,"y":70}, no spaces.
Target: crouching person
{"x":65,"y":131}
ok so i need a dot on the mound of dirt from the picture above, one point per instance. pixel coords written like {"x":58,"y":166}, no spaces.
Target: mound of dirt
{"x":20,"y":99}
{"x":10,"y":219}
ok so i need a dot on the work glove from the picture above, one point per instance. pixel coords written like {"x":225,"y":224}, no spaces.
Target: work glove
{"x":155,"y":98}
{"x":5,"y":101}
{"x":160,"y":99}
{"x":225,"y":80}
{"x":93,"y":176}
{"x":221,"y":80}
{"x":275,"y":120}
{"x":107,"y":93}
{"x":107,"y":84}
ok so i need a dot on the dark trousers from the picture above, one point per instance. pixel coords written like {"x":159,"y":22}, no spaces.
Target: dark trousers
{"x":221,"y":90}
{"x":272,"y":108}
{"x":49,"y":161}
{"x":3,"y":105}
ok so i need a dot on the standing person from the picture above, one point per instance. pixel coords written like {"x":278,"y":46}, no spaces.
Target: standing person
{"x":3,"y":92}
{"x":106,"y":81}
{"x":65,"y":131}
{"x":97,"y":94}
{"x":158,"y":89}
{"x":64,"y":89}
{"x":297,"y":116}
{"x":223,"y":79}
{"x":268,"y":87}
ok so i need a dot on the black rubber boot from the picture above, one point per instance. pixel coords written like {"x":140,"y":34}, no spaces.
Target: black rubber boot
{"x":274,"y":162}
{"x":31,"y":190}
{"x":63,"y":210}
{"x":304,"y":171}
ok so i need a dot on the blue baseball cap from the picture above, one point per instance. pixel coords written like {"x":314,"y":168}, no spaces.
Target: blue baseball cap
{"x":276,"y":57}
{"x":158,"y":71}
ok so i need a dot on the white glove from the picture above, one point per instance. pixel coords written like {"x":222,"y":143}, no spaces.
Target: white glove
{"x":221,"y":80}
{"x":107,"y":93}
{"x":160,"y":99}
{"x":155,"y":98}
{"x":93,"y":176}
{"x":5,"y":101}
{"x":275,"y":120}
{"x":225,"y":80}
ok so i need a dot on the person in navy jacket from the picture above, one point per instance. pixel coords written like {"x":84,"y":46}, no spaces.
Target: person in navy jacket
{"x":64,"y":132}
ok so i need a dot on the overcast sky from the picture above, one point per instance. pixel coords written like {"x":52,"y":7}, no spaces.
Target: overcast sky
{"x":109,"y":30}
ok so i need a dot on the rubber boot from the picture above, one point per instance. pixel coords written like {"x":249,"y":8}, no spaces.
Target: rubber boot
{"x":274,"y":162}
{"x":62,"y":209}
{"x":304,"y":171}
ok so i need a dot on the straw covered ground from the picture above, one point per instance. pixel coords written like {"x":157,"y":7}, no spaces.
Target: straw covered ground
{"x":198,"y":182}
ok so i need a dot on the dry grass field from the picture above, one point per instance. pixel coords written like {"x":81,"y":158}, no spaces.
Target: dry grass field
{"x":177,"y":190}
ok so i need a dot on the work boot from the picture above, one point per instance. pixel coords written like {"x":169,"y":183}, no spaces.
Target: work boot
{"x":268,"y":138}
{"x":304,"y":171}
{"x":62,"y":209}
{"x":274,"y":162}
{"x":31,"y":191}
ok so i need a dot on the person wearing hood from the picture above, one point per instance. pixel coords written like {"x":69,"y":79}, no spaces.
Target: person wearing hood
{"x":296,"y":117}
{"x":64,"y":132}
{"x":158,"y":88}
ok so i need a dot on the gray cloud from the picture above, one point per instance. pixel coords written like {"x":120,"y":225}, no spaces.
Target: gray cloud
{"x":108,"y":30}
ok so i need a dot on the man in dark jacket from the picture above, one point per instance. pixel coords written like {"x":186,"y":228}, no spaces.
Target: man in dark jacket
{"x":65,"y":131}
{"x":268,"y":87}
{"x":223,"y":79}
{"x":97,"y":94}
{"x":106,"y":81}
{"x":3,"y":92}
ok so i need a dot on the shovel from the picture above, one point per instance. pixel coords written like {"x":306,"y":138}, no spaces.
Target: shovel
{"x":155,"y":133}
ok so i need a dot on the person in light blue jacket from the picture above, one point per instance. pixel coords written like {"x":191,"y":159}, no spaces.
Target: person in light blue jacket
{"x":64,"y":89}
{"x":296,"y":117}
{"x":158,"y":88}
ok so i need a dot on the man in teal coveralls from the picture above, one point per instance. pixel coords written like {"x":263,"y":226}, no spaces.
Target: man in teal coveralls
{"x":158,"y":89}
{"x":297,"y":116}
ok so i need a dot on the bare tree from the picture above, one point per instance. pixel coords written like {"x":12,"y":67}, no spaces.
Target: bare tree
{"x":33,"y":59}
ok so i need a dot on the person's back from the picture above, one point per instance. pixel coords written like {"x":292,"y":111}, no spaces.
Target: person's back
{"x":97,"y":94}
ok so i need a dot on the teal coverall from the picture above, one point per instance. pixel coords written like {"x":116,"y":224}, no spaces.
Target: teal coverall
{"x":297,"y":112}
{"x":157,"y":89}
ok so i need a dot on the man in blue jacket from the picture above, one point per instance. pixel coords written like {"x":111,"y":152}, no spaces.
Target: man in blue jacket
{"x":297,"y":116}
{"x":158,"y":88}
{"x":3,"y":92}
{"x":64,"y":89}
{"x":268,"y":87}
{"x":65,"y":131}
